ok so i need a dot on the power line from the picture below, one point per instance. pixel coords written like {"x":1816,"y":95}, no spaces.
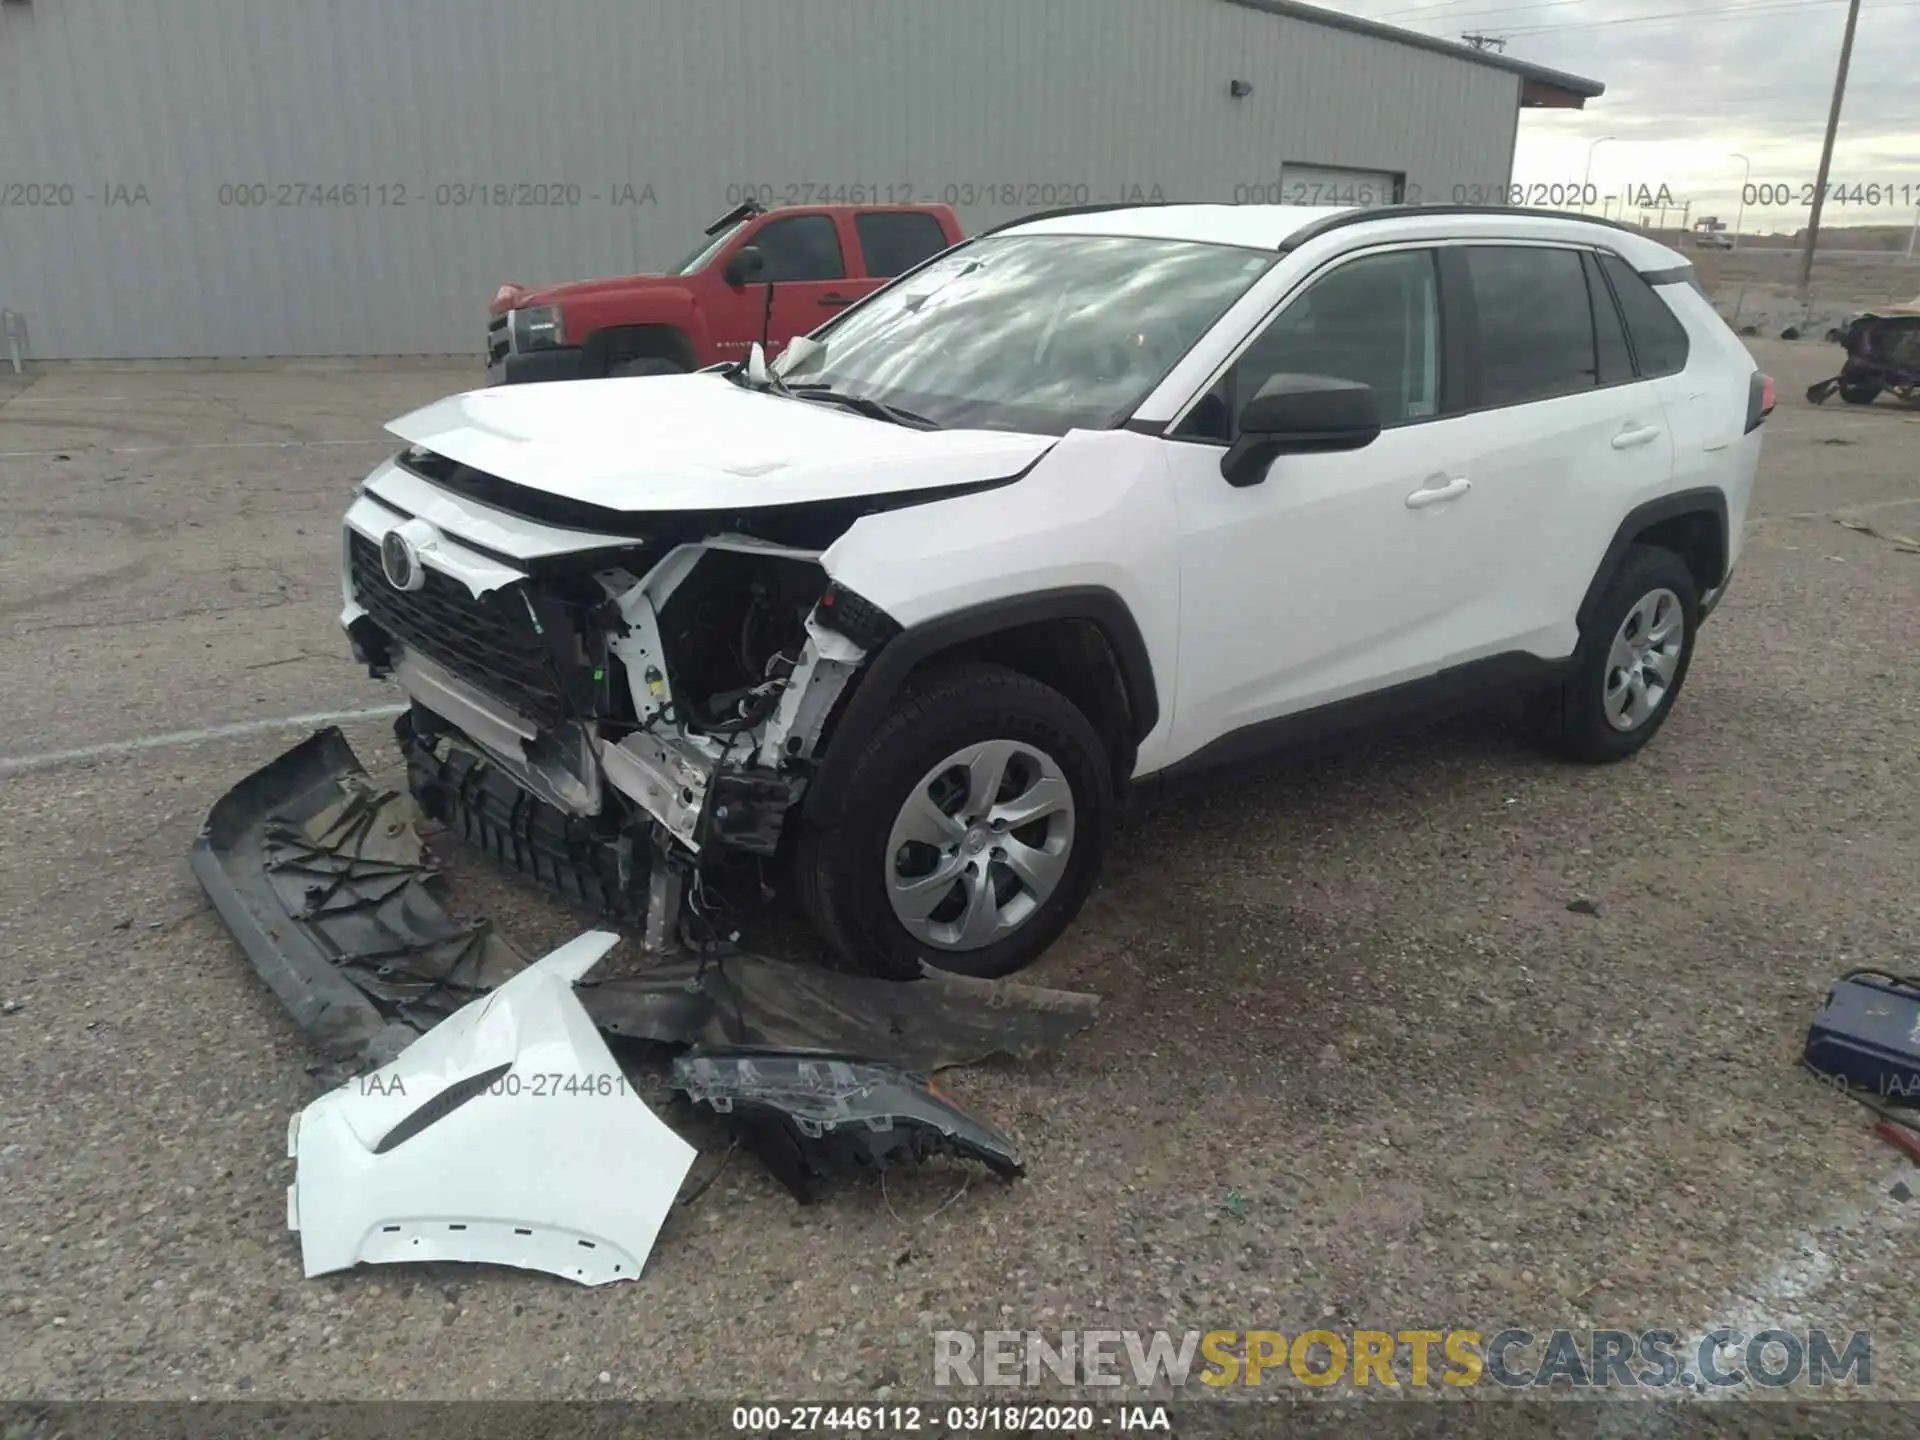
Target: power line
{"x":1472,"y":14}
{"x":1764,"y":9}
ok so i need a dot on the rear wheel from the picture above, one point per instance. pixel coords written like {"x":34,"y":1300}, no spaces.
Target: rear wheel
{"x":650,"y":365}
{"x":971,"y":831}
{"x":1630,"y":665}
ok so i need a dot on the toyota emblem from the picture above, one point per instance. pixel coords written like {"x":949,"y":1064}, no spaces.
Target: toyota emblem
{"x":398,"y":563}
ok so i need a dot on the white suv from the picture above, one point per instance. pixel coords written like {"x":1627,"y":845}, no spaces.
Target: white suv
{"x":1095,"y":502}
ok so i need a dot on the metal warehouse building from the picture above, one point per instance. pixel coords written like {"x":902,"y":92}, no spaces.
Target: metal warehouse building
{"x":235,"y":178}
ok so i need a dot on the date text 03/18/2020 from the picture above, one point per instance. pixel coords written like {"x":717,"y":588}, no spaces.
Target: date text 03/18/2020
{"x":966,"y":1419}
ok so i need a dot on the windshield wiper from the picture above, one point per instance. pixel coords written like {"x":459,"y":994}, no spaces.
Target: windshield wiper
{"x":863,"y":405}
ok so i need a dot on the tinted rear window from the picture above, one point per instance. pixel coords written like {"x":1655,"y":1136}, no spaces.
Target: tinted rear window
{"x":1536,"y":323}
{"x":1616,"y":361}
{"x":894,"y":241}
{"x":1659,"y":340}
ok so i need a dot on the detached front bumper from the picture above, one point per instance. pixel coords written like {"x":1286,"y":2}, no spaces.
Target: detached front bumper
{"x":567,"y":362}
{"x":324,"y":882}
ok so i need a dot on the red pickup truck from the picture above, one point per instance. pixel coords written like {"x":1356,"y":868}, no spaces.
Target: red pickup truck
{"x":778,"y":272}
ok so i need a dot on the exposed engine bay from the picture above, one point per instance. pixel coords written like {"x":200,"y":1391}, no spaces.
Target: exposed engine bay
{"x":655,"y":701}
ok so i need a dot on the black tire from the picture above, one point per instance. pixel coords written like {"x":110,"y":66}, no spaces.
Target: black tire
{"x":841,"y":862}
{"x":650,"y":365}
{"x":1860,"y":393}
{"x":1571,"y":719}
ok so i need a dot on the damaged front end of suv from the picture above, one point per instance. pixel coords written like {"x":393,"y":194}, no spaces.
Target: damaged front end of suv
{"x":622,"y":673}
{"x":606,"y":716}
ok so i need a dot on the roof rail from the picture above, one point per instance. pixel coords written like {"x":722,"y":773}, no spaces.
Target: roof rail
{"x":1359,"y":215}
{"x":1097,"y":209}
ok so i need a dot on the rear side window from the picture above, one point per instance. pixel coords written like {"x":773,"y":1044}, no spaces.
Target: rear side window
{"x":894,"y":241}
{"x":1535,"y":321}
{"x":800,"y":247}
{"x":1659,"y":340}
{"x":1610,"y":336}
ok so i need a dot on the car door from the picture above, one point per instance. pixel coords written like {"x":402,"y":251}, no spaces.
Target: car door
{"x":803,"y":261}
{"x":892,"y":242}
{"x":806,"y":264}
{"x":1336,"y":574}
{"x":1567,"y":437}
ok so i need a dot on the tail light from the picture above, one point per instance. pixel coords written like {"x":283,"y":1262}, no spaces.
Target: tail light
{"x":1759,"y":400}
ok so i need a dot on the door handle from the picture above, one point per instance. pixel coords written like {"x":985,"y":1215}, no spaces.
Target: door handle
{"x":1435,"y":494}
{"x":1636,"y":435}
{"x":837,"y":299}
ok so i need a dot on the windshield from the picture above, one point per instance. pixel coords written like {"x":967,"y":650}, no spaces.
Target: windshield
{"x":708,"y":249}
{"x":1042,"y":333}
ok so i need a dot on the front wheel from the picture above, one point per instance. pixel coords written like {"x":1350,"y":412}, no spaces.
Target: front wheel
{"x":970,"y":833}
{"x":1629,"y":667}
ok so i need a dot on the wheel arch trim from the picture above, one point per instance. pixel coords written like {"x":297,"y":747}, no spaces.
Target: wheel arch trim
{"x":886,"y":673}
{"x":1705,"y":500}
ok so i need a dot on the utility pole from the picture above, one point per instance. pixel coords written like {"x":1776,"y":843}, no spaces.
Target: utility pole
{"x":1805,"y":287}
{"x":1745,"y":176}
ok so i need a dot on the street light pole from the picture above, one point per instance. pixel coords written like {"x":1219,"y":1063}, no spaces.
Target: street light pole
{"x":1826,"y":155}
{"x":1584,"y":179}
{"x":1746,"y":176}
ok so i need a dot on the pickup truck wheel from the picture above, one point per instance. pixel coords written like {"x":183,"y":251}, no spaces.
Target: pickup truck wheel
{"x":649,"y":366}
{"x":1630,"y":665}
{"x":971,"y":833}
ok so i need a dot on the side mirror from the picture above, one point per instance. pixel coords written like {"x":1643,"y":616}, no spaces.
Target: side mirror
{"x":1300,"y":414}
{"x":745,"y":266}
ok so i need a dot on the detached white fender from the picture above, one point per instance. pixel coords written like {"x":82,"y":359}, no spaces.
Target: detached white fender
{"x":506,"y":1134}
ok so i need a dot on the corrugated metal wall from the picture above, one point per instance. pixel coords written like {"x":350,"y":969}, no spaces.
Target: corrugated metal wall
{"x":176,"y":176}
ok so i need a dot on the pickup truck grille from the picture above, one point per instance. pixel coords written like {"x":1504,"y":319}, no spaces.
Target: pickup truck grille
{"x":496,"y":338}
{"x":490,"y":642}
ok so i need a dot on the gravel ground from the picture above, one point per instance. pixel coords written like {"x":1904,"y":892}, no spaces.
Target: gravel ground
{"x":1758,"y":287}
{"x":1352,"y":991}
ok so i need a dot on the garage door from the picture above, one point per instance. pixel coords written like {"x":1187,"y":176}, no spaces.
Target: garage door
{"x":1325,"y":185}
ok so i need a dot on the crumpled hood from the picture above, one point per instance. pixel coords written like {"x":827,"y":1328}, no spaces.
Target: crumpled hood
{"x":699,"y":442}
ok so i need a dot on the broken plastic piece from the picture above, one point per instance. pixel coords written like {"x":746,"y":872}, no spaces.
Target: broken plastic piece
{"x":507,"y":1135}
{"x":757,"y":1002}
{"x":323,"y":880}
{"x":811,"y":1116}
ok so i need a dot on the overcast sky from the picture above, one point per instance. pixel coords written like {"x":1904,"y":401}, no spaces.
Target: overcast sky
{"x":1704,"y":80}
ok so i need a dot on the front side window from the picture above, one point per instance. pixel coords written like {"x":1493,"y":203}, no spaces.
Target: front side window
{"x":1535,"y":322}
{"x":1375,"y":320}
{"x":1041,"y":333}
{"x":702,"y":256}
{"x":799,"y":247}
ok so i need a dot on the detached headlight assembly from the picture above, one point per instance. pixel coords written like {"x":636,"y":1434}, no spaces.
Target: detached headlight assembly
{"x":538,"y":328}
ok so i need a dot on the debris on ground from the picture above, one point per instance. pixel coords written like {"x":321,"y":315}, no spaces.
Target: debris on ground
{"x":753,"y":1001}
{"x":507,"y":1135}
{"x":441,"y":1153}
{"x":322,"y":877}
{"x":1863,"y":1038}
{"x":1584,"y":907}
{"x":809,"y":1117}
{"x":12,"y":1007}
